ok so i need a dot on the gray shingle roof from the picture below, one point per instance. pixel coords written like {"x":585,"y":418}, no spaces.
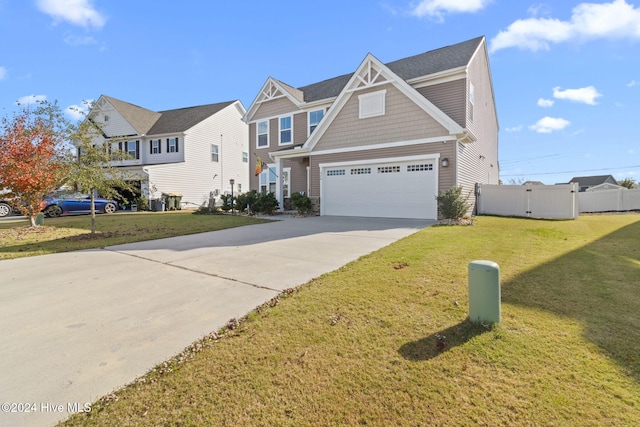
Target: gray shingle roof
{"x":592,"y":181}
{"x":434,"y":61}
{"x":181,"y":119}
{"x":147,"y":122}
{"x":140,"y":118}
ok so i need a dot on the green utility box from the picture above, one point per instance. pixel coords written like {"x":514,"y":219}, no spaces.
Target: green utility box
{"x":484,"y":292}
{"x":40,"y":219}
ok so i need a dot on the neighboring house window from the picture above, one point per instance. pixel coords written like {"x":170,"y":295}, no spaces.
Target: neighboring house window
{"x":156,"y":146}
{"x":285,"y":130}
{"x":239,"y":188}
{"x":372,"y":104}
{"x":106,"y":118}
{"x":172,"y":145}
{"x":314,"y":119}
{"x":245,"y":157}
{"x":472,"y":99}
{"x":214,"y":153}
{"x":268,"y":180}
{"x":263,"y":134}
{"x":132,"y":148}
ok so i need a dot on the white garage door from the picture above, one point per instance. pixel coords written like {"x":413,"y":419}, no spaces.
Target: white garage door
{"x":389,"y":189}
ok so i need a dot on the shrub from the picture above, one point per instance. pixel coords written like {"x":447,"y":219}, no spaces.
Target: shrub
{"x":452,"y":204}
{"x":143,"y":203}
{"x":226,"y":202}
{"x":301,"y":202}
{"x":266,"y":203}
{"x":246,"y":199}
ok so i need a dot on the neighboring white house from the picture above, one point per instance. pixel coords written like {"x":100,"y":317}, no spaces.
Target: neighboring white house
{"x":193,"y":151}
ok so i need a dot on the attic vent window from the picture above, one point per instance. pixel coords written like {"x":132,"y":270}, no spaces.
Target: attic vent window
{"x":372,"y":104}
{"x":106,"y":118}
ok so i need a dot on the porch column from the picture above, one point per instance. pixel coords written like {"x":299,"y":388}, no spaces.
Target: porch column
{"x":279,"y":182}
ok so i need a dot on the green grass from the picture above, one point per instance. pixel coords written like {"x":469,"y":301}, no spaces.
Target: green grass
{"x":70,"y":233}
{"x":360,"y":346}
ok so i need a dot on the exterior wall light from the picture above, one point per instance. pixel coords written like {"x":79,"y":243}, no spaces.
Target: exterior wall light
{"x":445,"y":162}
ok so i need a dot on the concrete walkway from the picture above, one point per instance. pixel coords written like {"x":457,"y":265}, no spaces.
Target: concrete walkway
{"x":78,"y":325}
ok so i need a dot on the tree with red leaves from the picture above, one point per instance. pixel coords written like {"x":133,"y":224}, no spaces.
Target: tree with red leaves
{"x":32,"y":157}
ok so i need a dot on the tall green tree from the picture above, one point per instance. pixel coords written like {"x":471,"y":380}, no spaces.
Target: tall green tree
{"x":32,"y":160}
{"x":95,"y":168}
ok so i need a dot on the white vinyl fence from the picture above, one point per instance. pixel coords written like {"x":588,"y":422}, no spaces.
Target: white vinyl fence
{"x":534,"y":201}
{"x":609,"y":200}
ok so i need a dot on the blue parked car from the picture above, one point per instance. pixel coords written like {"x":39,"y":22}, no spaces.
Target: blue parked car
{"x":70,"y":202}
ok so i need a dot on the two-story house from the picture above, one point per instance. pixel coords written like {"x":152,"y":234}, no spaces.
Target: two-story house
{"x":193,"y":151}
{"x":384,"y":140}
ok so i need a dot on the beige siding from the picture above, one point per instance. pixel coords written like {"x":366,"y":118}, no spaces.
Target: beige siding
{"x":446,"y":175}
{"x":300,"y":128}
{"x":450,"y":97}
{"x":403,"y":121}
{"x":298,"y":173}
{"x":276,"y":107}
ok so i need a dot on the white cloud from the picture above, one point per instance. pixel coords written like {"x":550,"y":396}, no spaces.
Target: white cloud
{"x":31,"y":99}
{"x":78,"y":112}
{"x":438,"y":8}
{"x":617,"y":19}
{"x":3,"y":73}
{"x":586,"y":95}
{"x":77,"y":12}
{"x":632,"y":83}
{"x":545,"y":102}
{"x":514,"y":129}
{"x":549,"y":124}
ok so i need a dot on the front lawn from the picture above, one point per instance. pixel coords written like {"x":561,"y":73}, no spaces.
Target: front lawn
{"x":384,"y":341}
{"x":70,"y":233}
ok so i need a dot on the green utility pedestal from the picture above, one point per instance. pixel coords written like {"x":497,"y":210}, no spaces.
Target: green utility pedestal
{"x":484,"y":292}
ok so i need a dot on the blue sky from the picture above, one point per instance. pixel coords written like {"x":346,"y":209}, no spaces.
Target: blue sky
{"x":566,"y":73}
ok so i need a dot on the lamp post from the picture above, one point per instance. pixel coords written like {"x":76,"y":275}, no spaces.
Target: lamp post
{"x":232,"y":181}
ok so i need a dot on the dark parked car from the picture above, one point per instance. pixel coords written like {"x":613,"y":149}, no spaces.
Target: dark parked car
{"x":70,"y":202}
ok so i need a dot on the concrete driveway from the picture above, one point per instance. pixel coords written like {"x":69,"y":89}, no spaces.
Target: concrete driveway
{"x":76,"y":326}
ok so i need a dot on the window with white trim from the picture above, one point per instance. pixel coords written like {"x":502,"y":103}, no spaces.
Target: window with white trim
{"x":268,"y":180}
{"x":156,"y":146}
{"x":263,"y":133}
{"x":285,"y":130}
{"x":215,"y":153}
{"x":245,"y":157}
{"x":286,"y":179}
{"x":132,"y":149}
{"x":372,"y":104}
{"x":172,"y":145}
{"x":314,"y":119}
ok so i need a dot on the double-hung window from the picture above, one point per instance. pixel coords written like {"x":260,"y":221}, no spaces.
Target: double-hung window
{"x":245,"y":157}
{"x":214,"y":153}
{"x":131,"y":148}
{"x":314,"y":119}
{"x":268,"y":180}
{"x":156,"y":146}
{"x":172,"y":145}
{"x":263,"y":134}
{"x":285,"y":130}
